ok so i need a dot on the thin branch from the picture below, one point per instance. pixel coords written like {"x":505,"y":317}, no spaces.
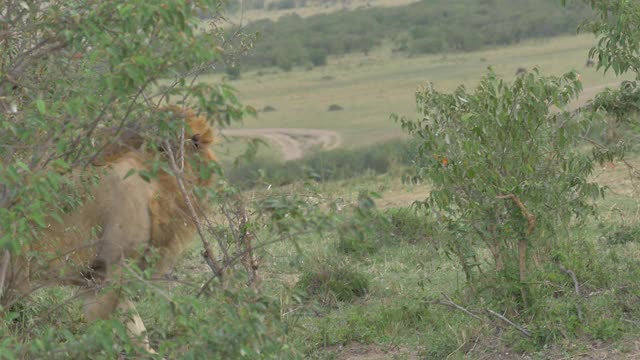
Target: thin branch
{"x":452,"y":304}
{"x":4,"y":266}
{"x":522,"y":330}
{"x":576,"y":286}
{"x":208,"y":252}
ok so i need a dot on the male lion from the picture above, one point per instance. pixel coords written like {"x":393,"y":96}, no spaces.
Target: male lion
{"x":123,"y":219}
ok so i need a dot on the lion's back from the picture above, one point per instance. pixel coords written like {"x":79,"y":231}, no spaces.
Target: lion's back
{"x":115,"y":218}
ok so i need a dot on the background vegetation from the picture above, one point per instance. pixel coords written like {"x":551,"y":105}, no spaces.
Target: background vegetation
{"x":421,"y":28}
{"x":347,"y":265}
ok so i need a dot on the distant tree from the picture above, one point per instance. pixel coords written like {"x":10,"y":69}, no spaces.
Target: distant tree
{"x":318,"y":57}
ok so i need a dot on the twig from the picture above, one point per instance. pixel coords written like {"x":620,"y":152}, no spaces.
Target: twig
{"x":450,"y":303}
{"x":208,"y":252}
{"x":573,"y":276}
{"x":246,"y":237}
{"x":576,"y":287}
{"x":4,"y":265}
{"x":522,"y":330}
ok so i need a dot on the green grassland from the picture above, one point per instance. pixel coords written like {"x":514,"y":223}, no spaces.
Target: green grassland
{"x":370,"y":88}
{"x":402,"y":315}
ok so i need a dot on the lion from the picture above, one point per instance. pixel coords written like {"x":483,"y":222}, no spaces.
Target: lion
{"x":123,"y":219}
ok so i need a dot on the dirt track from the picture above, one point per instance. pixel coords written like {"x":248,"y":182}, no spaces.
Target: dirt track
{"x":293,"y":142}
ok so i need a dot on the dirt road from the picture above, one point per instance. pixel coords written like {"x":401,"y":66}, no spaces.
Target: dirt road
{"x":293,"y":142}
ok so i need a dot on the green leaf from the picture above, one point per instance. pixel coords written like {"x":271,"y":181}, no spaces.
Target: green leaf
{"x":40,"y":105}
{"x":129,"y":173}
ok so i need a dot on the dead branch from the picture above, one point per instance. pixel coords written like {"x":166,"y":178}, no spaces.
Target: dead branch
{"x":246,"y":237}
{"x":522,"y":330}
{"x":4,"y":266}
{"x":208,"y":252}
{"x":576,"y":286}
{"x":450,"y":303}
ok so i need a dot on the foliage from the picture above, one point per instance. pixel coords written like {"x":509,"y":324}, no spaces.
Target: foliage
{"x":366,"y":231}
{"x":322,"y":166}
{"x":621,"y":105}
{"x":424,"y":27}
{"x":622,"y":234}
{"x":617,"y":49}
{"x":330,"y":281}
{"x":618,"y":46}
{"x":77,"y":77}
{"x":281,"y":5}
{"x":232,"y":323}
{"x":70,"y":68}
{"x":505,"y":174}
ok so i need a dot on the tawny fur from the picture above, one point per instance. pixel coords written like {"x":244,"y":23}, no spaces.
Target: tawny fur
{"x":121,"y":220}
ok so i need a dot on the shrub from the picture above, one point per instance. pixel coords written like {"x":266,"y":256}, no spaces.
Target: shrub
{"x":323,"y":165}
{"x":318,"y":57}
{"x":281,"y":5}
{"x":330,"y":280}
{"x":505,"y":173}
{"x":232,"y":71}
{"x":623,"y":234}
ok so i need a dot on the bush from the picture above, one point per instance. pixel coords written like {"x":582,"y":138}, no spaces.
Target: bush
{"x":187,"y":327}
{"x":623,"y":234}
{"x":232,"y":71}
{"x":323,"y":166}
{"x":329,"y":280}
{"x":366,"y":232}
{"x":281,"y":5}
{"x":470,"y":141}
{"x":318,"y":57}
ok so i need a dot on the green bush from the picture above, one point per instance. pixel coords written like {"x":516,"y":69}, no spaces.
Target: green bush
{"x":224,"y":324}
{"x":323,"y":166}
{"x":318,"y":57}
{"x":623,"y":234}
{"x":281,"y":5}
{"x":493,"y":183}
{"x":329,"y":280}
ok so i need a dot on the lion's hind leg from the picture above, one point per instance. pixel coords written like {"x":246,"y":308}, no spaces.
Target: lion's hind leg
{"x":103,"y":305}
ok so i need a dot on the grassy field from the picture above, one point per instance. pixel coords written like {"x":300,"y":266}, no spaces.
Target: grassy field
{"x":370,"y":88}
{"x":402,"y":315}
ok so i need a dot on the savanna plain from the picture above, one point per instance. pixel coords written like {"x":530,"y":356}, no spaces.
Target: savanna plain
{"x":359,"y":270}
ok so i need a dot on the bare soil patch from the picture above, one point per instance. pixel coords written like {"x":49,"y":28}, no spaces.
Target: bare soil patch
{"x":357,"y":351}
